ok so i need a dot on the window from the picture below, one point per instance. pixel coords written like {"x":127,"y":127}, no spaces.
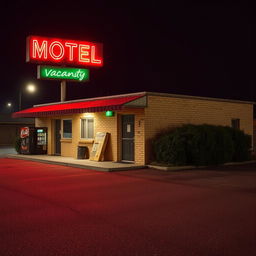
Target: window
{"x":67,"y":129}
{"x":87,"y":128}
{"x":235,"y":123}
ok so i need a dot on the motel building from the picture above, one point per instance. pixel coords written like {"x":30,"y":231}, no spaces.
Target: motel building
{"x":131,"y":121}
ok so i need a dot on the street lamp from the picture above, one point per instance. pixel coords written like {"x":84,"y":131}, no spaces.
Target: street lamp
{"x":31,"y":88}
{"x":8,"y":104}
{"x":8,"y":107}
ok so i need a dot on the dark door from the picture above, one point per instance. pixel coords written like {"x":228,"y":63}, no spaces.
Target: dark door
{"x":128,"y":137}
{"x":57,"y":136}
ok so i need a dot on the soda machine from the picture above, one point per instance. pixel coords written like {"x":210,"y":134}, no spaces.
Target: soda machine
{"x":33,"y":140}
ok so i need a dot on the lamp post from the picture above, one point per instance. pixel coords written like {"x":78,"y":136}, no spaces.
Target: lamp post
{"x":8,"y":107}
{"x":31,"y":88}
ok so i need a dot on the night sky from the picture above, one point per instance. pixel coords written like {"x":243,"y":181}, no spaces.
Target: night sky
{"x":201,"y":49}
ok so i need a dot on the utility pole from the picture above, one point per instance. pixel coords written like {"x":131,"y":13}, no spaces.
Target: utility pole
{"x":63,"y":91}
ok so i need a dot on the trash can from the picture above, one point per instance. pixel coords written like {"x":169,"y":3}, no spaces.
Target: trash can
{"x":82,"y":152}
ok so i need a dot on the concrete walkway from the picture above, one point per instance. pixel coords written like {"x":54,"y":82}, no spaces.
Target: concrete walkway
{"x":79,"y":163}
{"x":4,"y":150}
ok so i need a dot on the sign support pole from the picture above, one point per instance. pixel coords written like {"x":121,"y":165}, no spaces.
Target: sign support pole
{"x":20,"y":98}
{"x":63,"y":91}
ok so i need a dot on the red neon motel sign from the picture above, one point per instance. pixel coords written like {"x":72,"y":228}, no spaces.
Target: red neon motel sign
{"x":64,"y":52}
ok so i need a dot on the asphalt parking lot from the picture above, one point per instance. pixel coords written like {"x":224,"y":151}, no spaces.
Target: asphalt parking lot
{"x":56,"y":210}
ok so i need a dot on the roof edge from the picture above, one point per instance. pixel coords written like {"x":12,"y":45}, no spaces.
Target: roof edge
{"x":145,"y":93}
{"x":197,"y":97}
{"x":91,"y":99}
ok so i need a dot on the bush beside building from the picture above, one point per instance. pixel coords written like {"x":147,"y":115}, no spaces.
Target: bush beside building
{"x":202,"y":145}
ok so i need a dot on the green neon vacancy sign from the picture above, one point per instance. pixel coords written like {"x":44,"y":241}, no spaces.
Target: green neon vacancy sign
{"x":63,"y":73}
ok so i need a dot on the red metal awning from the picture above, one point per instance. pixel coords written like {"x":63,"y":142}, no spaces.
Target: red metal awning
{"x":97,"y":105}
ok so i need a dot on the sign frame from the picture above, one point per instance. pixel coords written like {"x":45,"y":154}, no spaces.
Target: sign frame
{"x":59,"y":51}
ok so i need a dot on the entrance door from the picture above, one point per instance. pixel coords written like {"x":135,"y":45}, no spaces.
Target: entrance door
{"x":57,"y":136}
{"x":128,"y":138}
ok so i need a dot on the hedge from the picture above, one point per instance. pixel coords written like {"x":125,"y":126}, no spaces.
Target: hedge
{"x":201,"y":145}
{"x":17,"y":145}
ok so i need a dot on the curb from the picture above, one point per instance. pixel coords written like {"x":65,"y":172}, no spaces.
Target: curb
{"x":173,"y":168}
{"x":77,"y":165}
{"x":191,"y":167}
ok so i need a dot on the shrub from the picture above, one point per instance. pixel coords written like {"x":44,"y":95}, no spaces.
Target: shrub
{"x":171,"y":148}
{"x":17,"y":145}
{"x":210,"y":145}
{"x":201,"y":145}
{"x":241,"y":143}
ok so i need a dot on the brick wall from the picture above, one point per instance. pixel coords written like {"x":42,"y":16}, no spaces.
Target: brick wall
{"x":163,"y":112}
{"x":69,"y":146}
{"x":101,"y":124}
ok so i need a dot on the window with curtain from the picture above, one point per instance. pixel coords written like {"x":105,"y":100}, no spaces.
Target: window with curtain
{"x":87,"y":128}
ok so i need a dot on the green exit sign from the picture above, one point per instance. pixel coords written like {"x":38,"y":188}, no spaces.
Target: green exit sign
{"x":63,"y":73}
{"x":110,"y":113}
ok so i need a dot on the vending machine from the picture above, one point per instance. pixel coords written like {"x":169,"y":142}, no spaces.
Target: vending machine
{"x":33,"y":140}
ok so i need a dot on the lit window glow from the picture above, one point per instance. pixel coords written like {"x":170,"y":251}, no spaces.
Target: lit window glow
{"x":88,"y":115}
{"x":87,"y":128}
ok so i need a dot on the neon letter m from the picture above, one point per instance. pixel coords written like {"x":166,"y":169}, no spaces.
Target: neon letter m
{"x":38,"y":51}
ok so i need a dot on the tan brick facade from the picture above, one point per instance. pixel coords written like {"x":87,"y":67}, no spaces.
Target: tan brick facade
{"x":101,"y":124}
{"x":161,"y":112}
{"x":166,"y":112}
